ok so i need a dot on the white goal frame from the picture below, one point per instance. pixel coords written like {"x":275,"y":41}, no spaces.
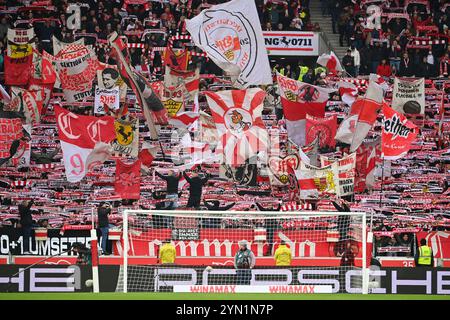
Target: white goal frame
{"x":203,"y":213}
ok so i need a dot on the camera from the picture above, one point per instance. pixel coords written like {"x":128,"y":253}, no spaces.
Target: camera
{"x":84,"y":253}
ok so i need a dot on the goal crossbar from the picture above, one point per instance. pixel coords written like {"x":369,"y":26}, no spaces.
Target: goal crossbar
{"x":245,"y":215}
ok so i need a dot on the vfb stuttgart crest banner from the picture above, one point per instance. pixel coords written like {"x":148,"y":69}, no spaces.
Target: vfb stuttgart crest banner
{"x":231,"y":35}
{"x":279,"y":168}
{"x":237,"y":114}
{"x":127,"y":137}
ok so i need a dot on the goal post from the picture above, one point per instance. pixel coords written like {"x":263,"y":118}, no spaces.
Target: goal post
{"x":327,"y":251}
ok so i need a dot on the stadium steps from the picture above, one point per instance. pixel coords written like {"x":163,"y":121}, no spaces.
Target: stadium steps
{"x":325,"y":25}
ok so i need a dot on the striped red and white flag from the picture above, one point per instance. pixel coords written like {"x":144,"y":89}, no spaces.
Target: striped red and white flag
{"x":147,"y":154}
{"x":348,"y":92}
{"x":331,"y":62}
{"x":237,"y":115}
{"x":184,"y":119}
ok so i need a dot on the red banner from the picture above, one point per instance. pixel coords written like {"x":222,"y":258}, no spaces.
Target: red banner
{"x":10,"y":130}
{"x":128,"y":179}
{"x":397,"y":134}
{"x":324,"y":128}
{"x":18,"y":71}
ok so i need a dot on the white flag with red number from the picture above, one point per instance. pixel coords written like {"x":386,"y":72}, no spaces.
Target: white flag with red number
{"x":241,"y":131}
{"x":331,"y":62}
{"x":397,"y":134}
{"x":299,"y":99}
{"x":79,"y":136}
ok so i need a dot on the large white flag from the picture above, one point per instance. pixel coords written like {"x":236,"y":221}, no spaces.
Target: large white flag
{"x":231,"y":35}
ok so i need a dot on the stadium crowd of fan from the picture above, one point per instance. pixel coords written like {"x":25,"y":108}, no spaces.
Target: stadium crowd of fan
{"x":381,"y":51}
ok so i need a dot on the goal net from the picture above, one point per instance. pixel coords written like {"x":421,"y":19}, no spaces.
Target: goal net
{"x":205,"y":251}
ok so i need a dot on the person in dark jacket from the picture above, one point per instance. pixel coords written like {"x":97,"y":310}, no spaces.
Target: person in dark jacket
{"x":44,"y":157}
{"x":103,"y":223}
{"x":214,"y":205}
{"x":424,"y":69}
{"x":406,"y":66}
{"x":271,"y":226}
{"x":348,"y":257}
{"x":172,"y":187}
{"x":26,"y":222}
{"x":195,"y":189}
{"x":349,"y":63}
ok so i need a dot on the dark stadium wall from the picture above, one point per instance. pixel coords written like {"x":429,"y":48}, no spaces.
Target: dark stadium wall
{"x":390,"y":280}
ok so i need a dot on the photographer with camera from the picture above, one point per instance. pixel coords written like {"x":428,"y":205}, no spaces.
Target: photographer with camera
{"x":244,"y":261}
{"x":84,"y":253}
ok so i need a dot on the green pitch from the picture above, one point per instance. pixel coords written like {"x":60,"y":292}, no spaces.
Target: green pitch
{"x":213,"y":296}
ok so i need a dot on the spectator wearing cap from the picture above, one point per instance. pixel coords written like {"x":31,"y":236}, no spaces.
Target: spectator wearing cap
{"x":244,"y":261}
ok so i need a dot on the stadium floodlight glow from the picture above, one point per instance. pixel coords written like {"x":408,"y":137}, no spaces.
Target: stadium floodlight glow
{"x":328,"y":251}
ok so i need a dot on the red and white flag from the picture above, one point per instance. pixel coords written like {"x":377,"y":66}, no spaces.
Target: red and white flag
{"x":148,"y":154}
{"x":184,"y":119}
{"x":397,"y":134}
{"x":368,"y":156}
{"x":362,"y":116}
{"x":348,"y":92}
{"x":18,"y":70}
{"x":128,"y":179}
{"x":379,"y":80}
{"x":230,"y":33}
{"x":298,"y":100}
{"x":331,"y":62}
{"x":314,"y":181}
{"x":237,"y":114}
{"x":4,"y":96}
{"x":77,"y":67}
{"x":322,"y":128}
{"x":79,"y":135}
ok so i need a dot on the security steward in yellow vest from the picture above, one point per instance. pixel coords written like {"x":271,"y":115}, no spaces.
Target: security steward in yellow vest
{"x":278,"y":69}
{"x":283,"y":255}
{"x":424,"y":256}
{"x":319,"y":70}
{"x":167,"y":253}
{"x":302,"y":71}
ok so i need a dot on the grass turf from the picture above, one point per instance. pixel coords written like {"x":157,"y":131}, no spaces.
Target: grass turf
{"x":214,"y":296}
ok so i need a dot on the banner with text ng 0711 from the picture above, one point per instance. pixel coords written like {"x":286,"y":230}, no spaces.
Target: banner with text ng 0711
{"x":291,"y":43}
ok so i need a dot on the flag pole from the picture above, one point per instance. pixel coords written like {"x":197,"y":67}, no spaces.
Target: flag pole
{"x":382,"y":182}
